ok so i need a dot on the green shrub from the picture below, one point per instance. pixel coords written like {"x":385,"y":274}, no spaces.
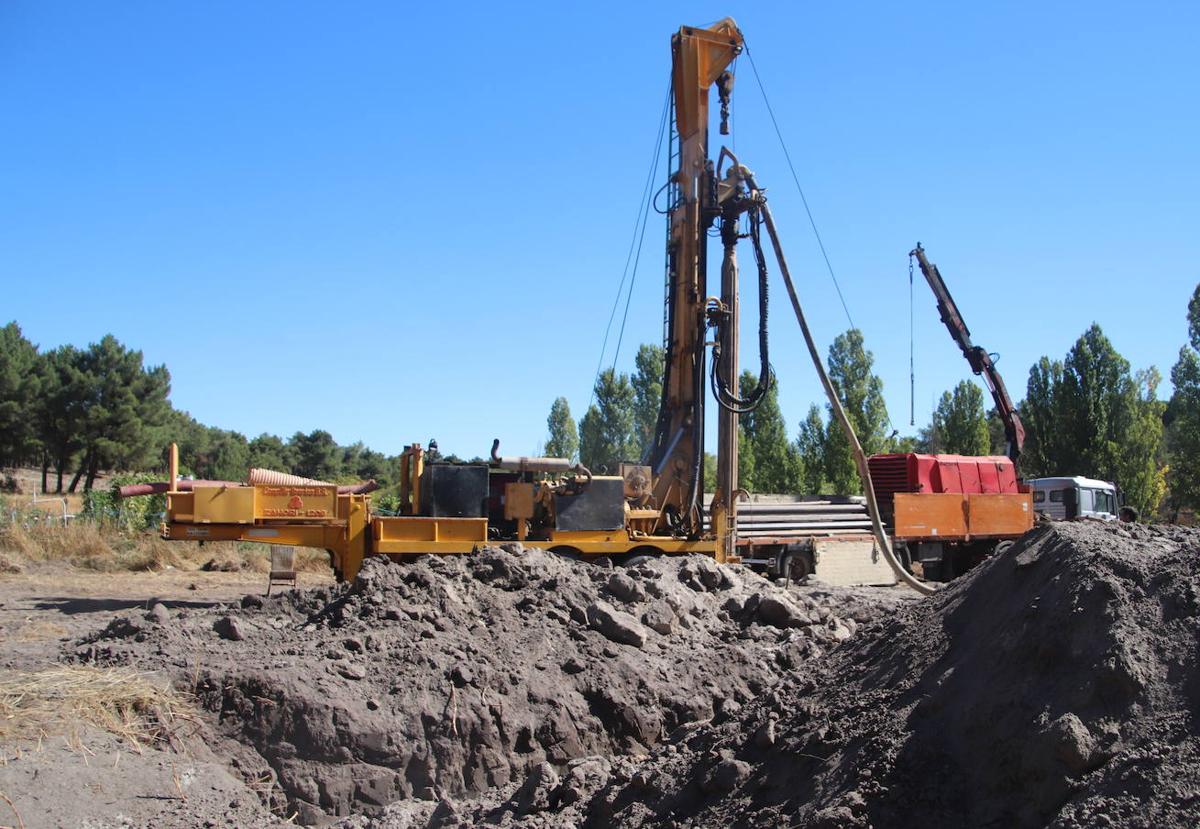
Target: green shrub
{"x":105,"y":507}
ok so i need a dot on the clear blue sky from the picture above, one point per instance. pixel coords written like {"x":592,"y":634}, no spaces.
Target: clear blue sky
{"x":399,"y":223}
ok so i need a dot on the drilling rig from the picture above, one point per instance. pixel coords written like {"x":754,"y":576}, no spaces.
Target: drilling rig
{"x":456,"y":508}
{"x":652,"y":507}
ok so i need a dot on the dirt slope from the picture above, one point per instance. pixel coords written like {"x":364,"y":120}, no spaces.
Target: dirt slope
{"x":456,"y":676}
{"x":1055,"y":686}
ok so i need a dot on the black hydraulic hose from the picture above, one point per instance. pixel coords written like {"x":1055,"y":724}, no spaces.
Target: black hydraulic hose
{"x":721,"y":385}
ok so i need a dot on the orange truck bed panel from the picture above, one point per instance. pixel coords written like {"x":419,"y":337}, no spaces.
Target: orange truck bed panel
{"x":955,"y":516}
{"x":996,"y":514}
{"x":931,"y":515}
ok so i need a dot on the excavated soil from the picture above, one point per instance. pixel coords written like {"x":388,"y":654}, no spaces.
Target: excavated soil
{"x":1057,"y":685}
{"x":484,"y":677}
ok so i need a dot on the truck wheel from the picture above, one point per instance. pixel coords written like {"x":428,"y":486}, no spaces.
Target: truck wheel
{"x":639,"y":555}
{"x":567,"y":552}
{"x":795,"y":566}
{"x":1001,"y":548}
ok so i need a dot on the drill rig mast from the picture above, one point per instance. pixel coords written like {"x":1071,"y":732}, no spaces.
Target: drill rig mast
{"x":700,"y":59}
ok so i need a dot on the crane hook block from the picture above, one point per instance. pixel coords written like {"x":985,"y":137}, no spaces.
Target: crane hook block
{"x":724,"y":90}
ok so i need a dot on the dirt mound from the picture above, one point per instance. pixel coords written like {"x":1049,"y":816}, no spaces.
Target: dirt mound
{"x":517,"y":672}
{"x":1057,"y":685}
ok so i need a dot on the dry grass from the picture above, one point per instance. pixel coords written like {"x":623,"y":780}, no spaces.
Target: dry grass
{"x":57,"y":701}
{"x":91,"y":546}
{"x":38,"y":630}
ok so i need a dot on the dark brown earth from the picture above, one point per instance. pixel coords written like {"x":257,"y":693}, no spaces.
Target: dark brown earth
{"x":1056,"y":685}
{"x":454,"y":677}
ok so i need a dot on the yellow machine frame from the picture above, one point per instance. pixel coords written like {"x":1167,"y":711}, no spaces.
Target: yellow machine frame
{"x":342,"y":524}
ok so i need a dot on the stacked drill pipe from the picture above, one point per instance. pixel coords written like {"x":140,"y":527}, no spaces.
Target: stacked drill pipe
{"x":266,"y":477}
{"x":802,"y":518}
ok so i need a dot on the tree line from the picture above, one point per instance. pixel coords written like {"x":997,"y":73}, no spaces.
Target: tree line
{"x":77,"y":412}
{"x":1087,"y":414}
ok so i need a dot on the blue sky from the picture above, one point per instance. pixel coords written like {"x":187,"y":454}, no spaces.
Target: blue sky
{"x":399,"y":223}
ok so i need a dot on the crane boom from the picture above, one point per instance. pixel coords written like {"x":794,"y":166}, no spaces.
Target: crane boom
{"x":978,"y":358}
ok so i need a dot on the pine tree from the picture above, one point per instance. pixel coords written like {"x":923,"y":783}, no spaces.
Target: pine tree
{"x":60,"y":410}
{"x":270,"y":452}
{"x":20,"y":381}
{"x":228,"y":456}
{"x":124,"y":406}
{"x":316,"y":455}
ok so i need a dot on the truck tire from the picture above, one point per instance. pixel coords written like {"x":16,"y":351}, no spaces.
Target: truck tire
{"x":639,"y":555}
{"x":795,"y":565}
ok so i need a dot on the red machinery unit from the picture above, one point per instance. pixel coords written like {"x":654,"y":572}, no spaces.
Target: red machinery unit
{"x":994,"y":474}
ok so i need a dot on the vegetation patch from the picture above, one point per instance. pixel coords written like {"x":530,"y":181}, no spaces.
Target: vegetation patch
{"x":107,"y":548}
{"x":57,"y":701}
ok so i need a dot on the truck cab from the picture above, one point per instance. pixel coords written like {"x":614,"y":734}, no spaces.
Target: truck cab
{"x":1069,"y":498}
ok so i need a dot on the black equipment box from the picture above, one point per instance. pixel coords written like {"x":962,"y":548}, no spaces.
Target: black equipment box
{"x":601,"y":506}
{"x":454,"y":490}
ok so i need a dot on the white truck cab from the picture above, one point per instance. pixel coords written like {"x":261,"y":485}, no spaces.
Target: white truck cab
{"x":1065,"y":499}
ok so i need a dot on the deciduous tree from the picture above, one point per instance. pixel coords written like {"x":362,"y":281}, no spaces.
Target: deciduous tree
{"x":997,"y":437}
{"x":564,"y":437}
{"x":1039,"y":410}
{"x":810,"y":446}
{"x":776,"y":459}
{"x":647,"y":393}
{"x":1183,"y":419}
{"x":1183,"y":435}
{"x":861,"y":394}
{"x":959,"y":421}
{"x":606,"y":431}
{"x":1090,"y":416}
